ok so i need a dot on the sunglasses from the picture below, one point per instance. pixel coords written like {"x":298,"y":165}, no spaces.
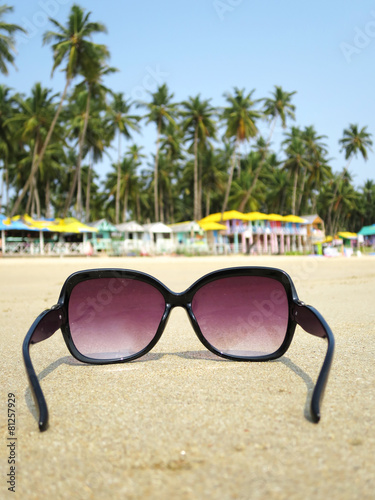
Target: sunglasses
{"x":117,"y":315}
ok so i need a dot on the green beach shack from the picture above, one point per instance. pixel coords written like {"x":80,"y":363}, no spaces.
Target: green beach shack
{"x":102,"y":240}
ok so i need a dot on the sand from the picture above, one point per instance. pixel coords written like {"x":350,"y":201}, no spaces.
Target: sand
{"x":181,"y":423}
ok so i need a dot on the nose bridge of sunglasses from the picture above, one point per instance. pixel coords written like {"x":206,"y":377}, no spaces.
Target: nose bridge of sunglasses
{"x":179,"y":300}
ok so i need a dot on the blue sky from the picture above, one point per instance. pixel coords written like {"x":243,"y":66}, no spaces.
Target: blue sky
{"x":323,"y":50}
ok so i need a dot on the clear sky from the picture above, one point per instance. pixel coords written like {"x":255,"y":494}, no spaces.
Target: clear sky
{"x":325,"y":50}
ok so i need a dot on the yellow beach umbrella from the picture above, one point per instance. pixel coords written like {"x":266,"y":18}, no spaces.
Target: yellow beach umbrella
{"x":250,"y":216}
{"x":293,"y":218}
{"x":347,"y":236}
{"x":71,"y":225}
{"x":211,"y":226}
{"x":275,"y":217}
{"x":230,"y":215}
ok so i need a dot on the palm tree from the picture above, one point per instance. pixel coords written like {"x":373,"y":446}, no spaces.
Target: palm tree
{"x":262,"y":150}
{"x":74,"y":47}
{"x":213,"y":176}
{"x":197,"y":121}
{"x":368,"y":197}
{"x":128,"y":182}
{"x":121,"y":122}
{"x":7,"y":42}
{"x":279,"y":106}
{"x":278,"y":187}
{"x":296,"y":161}
{"x":98,"y":138}
{"x":354,"y":141}
{"x":316,"y":152}
{"x":242,"y":185}
{"x":90,"y":87}
{"x":7,"y":139}
{"x":240,"y":119}
{"x":33,"y":121}
{"x":345,"y":201}
{"x":160,"y":111}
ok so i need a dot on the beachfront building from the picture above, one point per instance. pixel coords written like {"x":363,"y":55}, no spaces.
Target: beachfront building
{"x":27,"y":236}
{"x":132,"y":238}
{"x":157,"y":239}
{"x":367,"y":236}
{"x":102,"y":240}
{"x":315,"y":232}
{"x":256,"y":233}
{"x":189,"y":237}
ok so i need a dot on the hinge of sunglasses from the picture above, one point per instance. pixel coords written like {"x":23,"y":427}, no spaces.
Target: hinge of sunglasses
{"x":57,"y":306}
{"x":299,"y":303}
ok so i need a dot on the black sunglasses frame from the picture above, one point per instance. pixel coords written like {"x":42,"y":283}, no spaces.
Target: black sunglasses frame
{"x":48,"y":322}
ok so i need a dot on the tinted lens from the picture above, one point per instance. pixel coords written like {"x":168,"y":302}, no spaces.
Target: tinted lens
{"x":243,"y":316}
{"x":112,"y":318}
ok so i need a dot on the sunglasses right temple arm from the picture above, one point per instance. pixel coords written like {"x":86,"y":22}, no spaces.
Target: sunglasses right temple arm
{"x":314,"y":323}
{"x":45,"y":325}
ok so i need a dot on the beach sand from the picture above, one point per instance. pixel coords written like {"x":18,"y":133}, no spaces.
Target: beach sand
{"x":181,"y":423}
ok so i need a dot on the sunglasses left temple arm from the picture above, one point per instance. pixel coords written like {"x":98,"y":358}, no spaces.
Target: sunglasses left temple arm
{"x":314,"y":323}
{"x":45,"y":325}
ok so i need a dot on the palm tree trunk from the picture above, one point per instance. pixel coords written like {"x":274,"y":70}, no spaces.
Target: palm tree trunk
{"x":301,"y":191}
{"x":30,"y":199}
{"x":330,"y":208}
{"x":294,"y":192}
{"x":241,"y":208}
{"x":138,"y":209}
{"x":29,"y":205}
{"x":336,"y":220}
{"x":2,"y":188}
{"x":88,"y":187}
{"x":161,"y":206}
{"x":126,"y":197}
{"x":6,"y":186}
{"x":195,"y":216}
{"x":69,"y":198}
{"x":80,"y":154}
{"x":208,"y":199}
{"x":156,"y":191}
{"x":77,"y":173}
{"x":272,"y":130}
{"x":37,"y":199}
{"x":229,"y":185}
{"x":41,"y":155}
{"x":32,"y":207}
{"x":118,"y":178}
{"x":48,"y":199}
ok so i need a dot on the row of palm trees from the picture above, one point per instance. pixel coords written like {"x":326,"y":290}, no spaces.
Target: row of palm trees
{"x":207,"y":159}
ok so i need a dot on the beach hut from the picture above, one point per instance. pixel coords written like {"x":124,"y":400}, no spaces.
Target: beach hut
{"x":213,"y":231}
{"x":19,"y":236}
{"x":349,"y":242}
{"x":315,"y":232}
{"x":157,"y":238}
{"x":132,"y":237}
{"x":368,"y":235}
{"x":102,"y":239}
{"x":236,"y":224}
{"x":189,"y":237}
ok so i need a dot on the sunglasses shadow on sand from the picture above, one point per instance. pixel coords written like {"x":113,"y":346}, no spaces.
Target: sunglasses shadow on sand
{"x":197,"y":355}
{"x":114,"y":316}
